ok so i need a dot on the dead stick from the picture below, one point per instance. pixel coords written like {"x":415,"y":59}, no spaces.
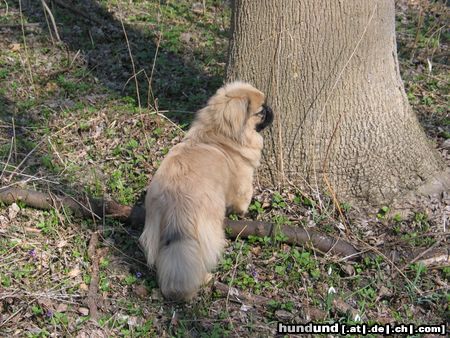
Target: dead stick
{"x":135,"y":216}
{"x":238,"y":296}
{"x":92,"y":296}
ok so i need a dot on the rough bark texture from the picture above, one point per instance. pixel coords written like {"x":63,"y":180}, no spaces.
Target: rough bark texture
{"x":331,"y":74}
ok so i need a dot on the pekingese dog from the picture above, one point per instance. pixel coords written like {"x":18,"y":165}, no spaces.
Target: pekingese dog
{"x":209,"y":173}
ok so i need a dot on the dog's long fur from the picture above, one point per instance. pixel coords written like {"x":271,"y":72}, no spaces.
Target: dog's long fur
{"x":209,"y":172}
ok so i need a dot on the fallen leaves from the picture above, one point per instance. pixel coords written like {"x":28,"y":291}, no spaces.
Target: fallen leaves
{"x":15,"y":47}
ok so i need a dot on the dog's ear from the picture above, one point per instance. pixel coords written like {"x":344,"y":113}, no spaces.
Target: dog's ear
{"x":242,"y":99}
{"x":228,"y":110}
{"x":247,"y":92}
{"x":234,"y":114}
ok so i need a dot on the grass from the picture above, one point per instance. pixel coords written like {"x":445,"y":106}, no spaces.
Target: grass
{"x":80,"y":125}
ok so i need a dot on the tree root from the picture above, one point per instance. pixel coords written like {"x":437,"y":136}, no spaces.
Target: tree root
{"x":135,"y":217}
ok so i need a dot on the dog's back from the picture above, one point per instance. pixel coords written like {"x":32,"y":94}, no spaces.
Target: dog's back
{"x":183,"y":235}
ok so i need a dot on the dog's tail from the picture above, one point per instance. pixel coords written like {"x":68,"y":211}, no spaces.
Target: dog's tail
{"x":180,"y":267}
{"x":188,"y":251}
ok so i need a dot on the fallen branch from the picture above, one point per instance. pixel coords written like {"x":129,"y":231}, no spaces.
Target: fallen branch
{"x":294,"y":236}
{"x":135,"y":217}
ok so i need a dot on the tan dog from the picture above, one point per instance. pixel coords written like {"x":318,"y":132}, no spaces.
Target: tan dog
{"x":209,"y":172}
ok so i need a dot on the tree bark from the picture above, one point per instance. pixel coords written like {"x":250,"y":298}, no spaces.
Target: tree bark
{"x":342,"y":120}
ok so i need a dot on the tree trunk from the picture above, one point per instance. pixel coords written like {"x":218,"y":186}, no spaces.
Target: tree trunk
{"x":342,"y":119}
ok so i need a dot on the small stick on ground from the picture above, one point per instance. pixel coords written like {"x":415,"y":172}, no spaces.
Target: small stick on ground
{"x":47,"y":11}
{"x":94,"y":256}
{"x":239,"y":297}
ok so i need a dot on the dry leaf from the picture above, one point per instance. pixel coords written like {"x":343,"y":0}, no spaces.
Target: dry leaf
{"x":83,"y":287}
{"x":3,"y":221}
{"x":13,"y":210}
{"x":83,"y":311}
{"x":61,"y":307}
{"x":61,"y":243}
{"x":34,"y":230}
{"x":74,"y":272}
{"x":14,"y":47}
{"x":141,"y":291}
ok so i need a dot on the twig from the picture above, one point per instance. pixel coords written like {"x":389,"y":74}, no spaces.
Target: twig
{"x":35,"y":178}
{"x":238,"y":296}
{"x":233,"y":275}
{"x":34,"y":149}
{"x":52,"y":19}
{"x":93,"y":285}
{"x":12,"y":316}
{"x":418,"y":28}
{"x":132,"y":77}
{"x":5,"y":165}
{"x":231,"y":290}
{"x":392,"y":264}
{"x":150,"y":80}
{"x":422,"y":254}
{"x":132,"y":63}
{"x":443,"y":258}
{"x":170,"y":121}
{"x":57,"y":153}
{"x":48,"y":26}
{"x":24,"y":160}
{"x":7,"y":7}
{"x":14,"y":139}
{"x":27,"y":59}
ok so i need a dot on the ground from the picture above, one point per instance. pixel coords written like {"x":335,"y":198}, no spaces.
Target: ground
{"x":80,"y":117}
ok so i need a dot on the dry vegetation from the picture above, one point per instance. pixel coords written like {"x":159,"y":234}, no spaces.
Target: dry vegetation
{"x":74,"y":120}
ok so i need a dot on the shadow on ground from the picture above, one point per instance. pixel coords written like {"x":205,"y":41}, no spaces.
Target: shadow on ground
{"x":91,"y":61}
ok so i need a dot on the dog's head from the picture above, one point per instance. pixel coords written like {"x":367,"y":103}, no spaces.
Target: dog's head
{"x":236,"y":109}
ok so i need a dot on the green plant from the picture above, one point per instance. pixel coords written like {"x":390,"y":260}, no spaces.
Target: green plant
{"x":346,"y":206}
{"x":130,"y":279}
{"x":277,"y":305}
{"x":104,"y":262}
{"x":281,"y":219}
{"x":59,"y":318}
{"x":382,"y":212}
{"x":256,"y":206}
{"x":419,"y":269}
{"x":397,"y":218}
{"x":6,"y":281}
{"x":278,"y":201}
{"x":37,"y":310}
{"x":252,"y":239}
{"x":50,"y":222}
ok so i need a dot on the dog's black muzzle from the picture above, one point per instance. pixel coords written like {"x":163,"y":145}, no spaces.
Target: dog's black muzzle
{"x":267,"y":118}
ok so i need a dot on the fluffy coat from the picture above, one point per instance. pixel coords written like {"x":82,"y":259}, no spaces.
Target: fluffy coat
{"x":209,"y":172}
